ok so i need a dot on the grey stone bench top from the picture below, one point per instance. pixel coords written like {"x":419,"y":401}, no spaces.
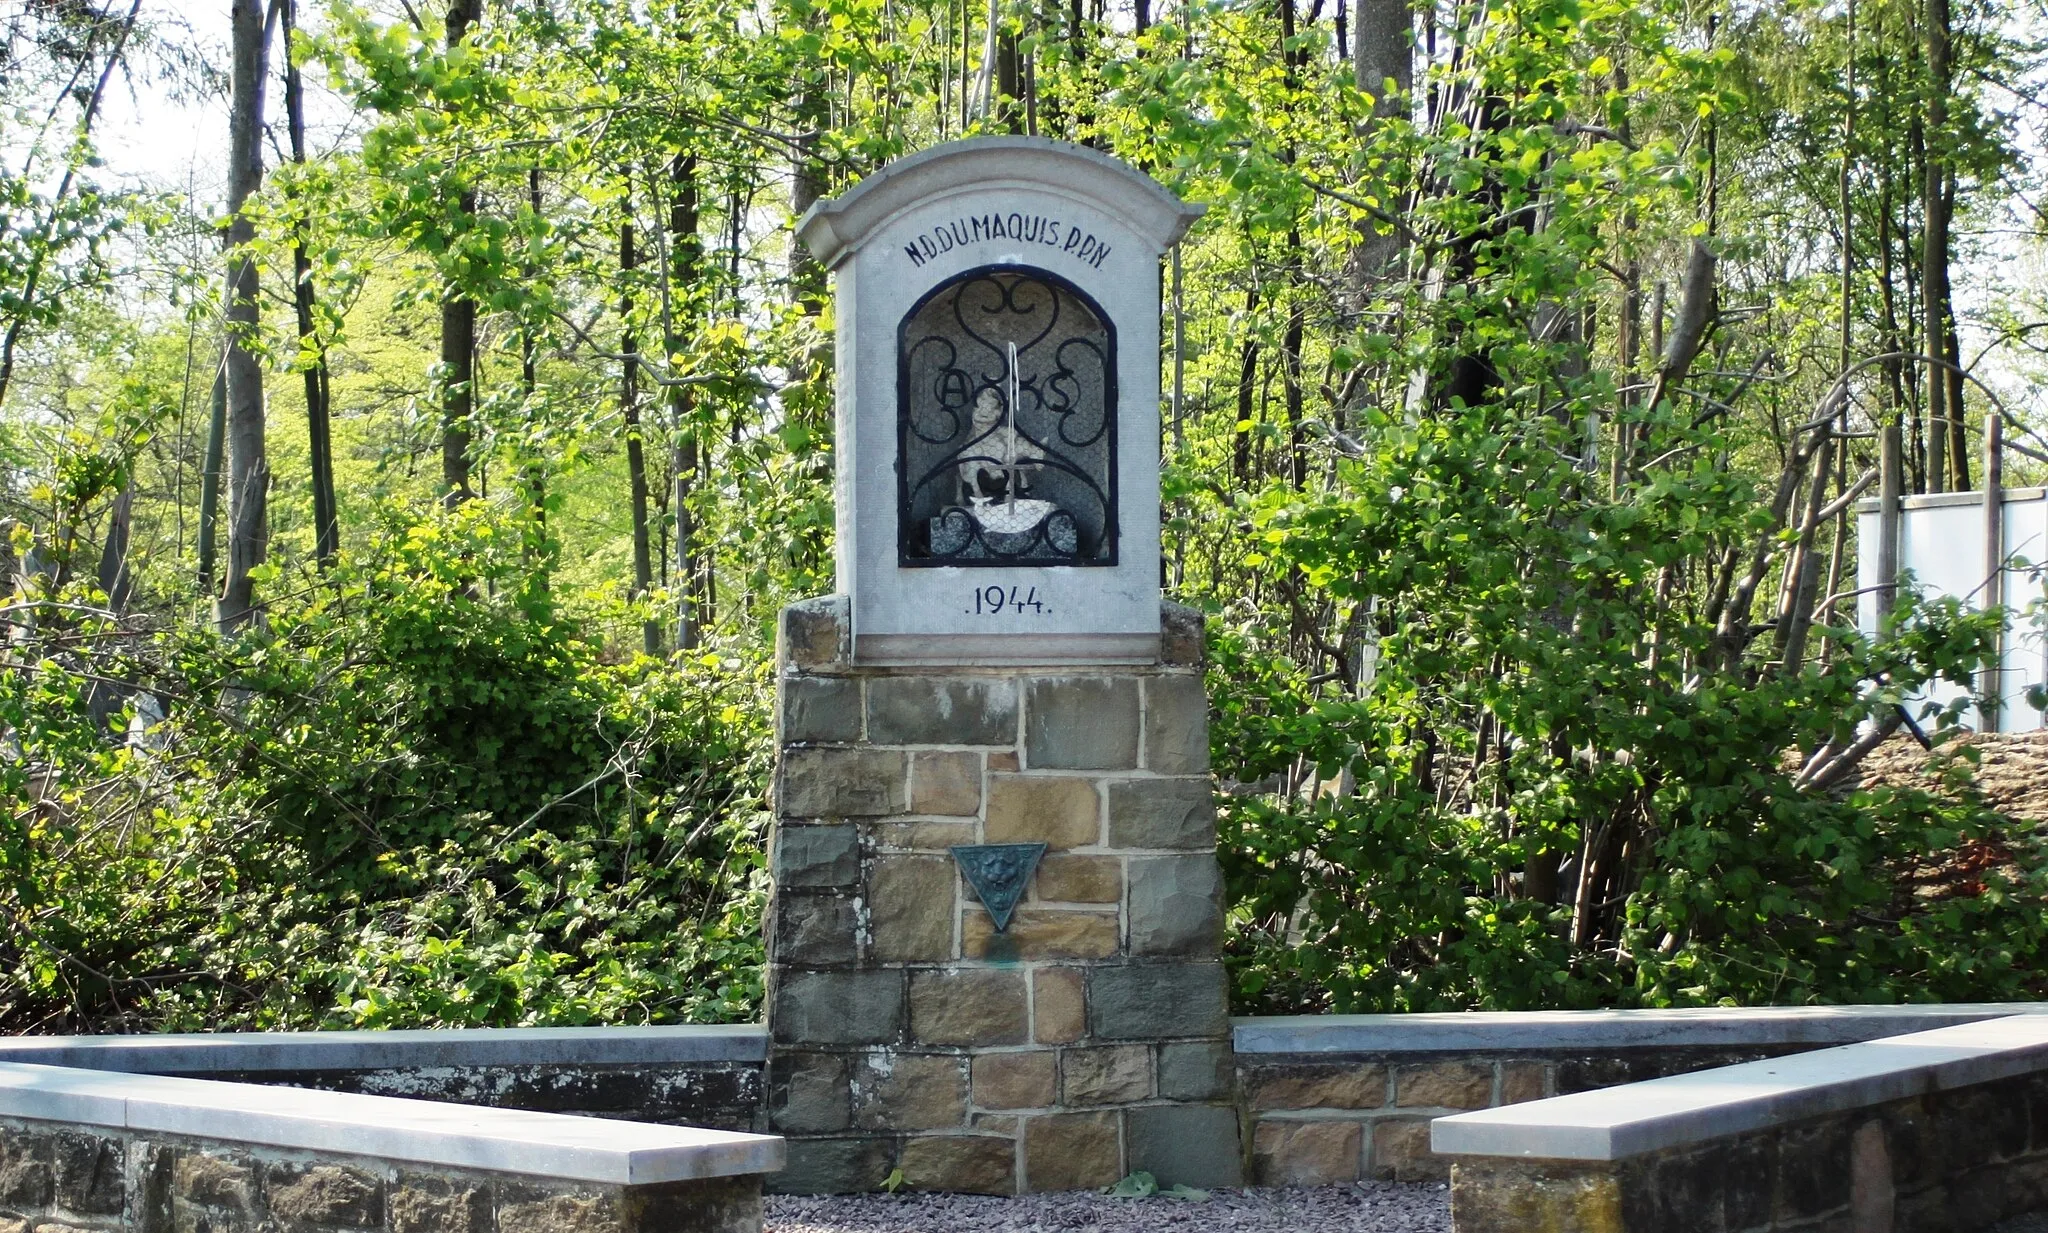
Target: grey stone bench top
{"x":385,"y":1127}
{"x":1617,"y":1122}
{"x":255,"y":1052}
{"x":1510,"y":1031}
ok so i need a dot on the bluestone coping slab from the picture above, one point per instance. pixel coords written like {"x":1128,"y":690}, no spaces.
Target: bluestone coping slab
{"x":1707,"y":1027}
{"x":1618,"y":1122}
{"x":257,"y":1052}
{"x":426,"y":1132}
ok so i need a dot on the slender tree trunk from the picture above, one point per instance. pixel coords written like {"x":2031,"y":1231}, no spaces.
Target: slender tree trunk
{"x":458,"y":327}
{"x":686,"y":251}
{"x":115,"y":580}
{"x":1247,"y":385}
{"x":533,"y":472}
{"x":248,"y":468}
{"x":1934,"y":241}
{"x":210,"y":479}
{"x":636,"y":454}
{"x":312,"y":349}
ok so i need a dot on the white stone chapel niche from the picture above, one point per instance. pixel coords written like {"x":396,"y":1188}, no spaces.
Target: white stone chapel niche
{"x":997,"y":306}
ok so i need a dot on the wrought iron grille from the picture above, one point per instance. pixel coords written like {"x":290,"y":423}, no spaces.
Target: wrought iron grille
{"x":1006,"y":423}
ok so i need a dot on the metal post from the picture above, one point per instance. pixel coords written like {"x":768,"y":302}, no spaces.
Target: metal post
{"x":1990,"y":696}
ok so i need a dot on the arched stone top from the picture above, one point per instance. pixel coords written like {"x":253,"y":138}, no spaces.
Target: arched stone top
{"x":835,"y":228}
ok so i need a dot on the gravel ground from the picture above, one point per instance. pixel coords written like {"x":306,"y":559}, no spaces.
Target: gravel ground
{"x":1368,"y":1207}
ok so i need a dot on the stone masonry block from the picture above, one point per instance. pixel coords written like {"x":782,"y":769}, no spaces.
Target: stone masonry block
{"x":1040,"y":933}
{"x":427,"y":1203}
{"x":837,"y":1008}
{"x":1185,"y":1145}
{"x":910,"y":1091}
{"x":1400,"y":1151}
{"x":1016,"y":1080}
{"x":809,"y":1092}
{"x":842,"y":783}
{"x":816,"y":856}
{"x":8,"y":1225}
{"x":819,"y":708}
{"x":560,"y":1213}
{"x":834,"y":1166}
{"x":712,"y":1204}
{"x":1175,"y":814}
{"x":1105,"y":1075}
{"x":1521,"y":1082}
{"x":910,"y":908}
{"x":1316,"y":1085}
{"x":1004,"y":760}
{"x":215,"y":1180}
{"x":1180,"y":635}
{"x":325,"y":1194}
{"x":964,"y":1164}
{"x":1508,"y":1197}
{"x":1058,"y":810}
{"x":1195,"y":1070}
{"x":1444,"y":1085}
{"x":1081,"y":723}
{"x":924,"y":836}
{"x":1306,"y":1153}
{"x":88,"y":1173}
{"x":1058,"y":1009}
{"x":945,"y":783}
{"x":1069,"y":878}
{"x":1071,"y":1151}
{"x":970,"y":1006}
{"x":1137,"y":1002}
{"x":1176,"y":905}
{"x":815,"y":633}
{"x":1176,"y":725}
{"x":926,"y":710}
{"x":815,"y":930}
{"x":26,"y":1169}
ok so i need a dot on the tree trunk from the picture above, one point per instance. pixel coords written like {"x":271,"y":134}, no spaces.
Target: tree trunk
{"x":458,"y":328}
{"x":248,"y":469}
{"x":1935,"y":245}
{"x":685,"y":253}
{"x":209,"y":482}
{"x":533,"y":472}
{"x":636,"y":454}
{"x":312,"y":350}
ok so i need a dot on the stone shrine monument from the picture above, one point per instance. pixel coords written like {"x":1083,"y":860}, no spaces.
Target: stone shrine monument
{"x":993,"y":938}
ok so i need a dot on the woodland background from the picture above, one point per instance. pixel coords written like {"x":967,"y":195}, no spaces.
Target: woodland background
{"x":392,"y":538}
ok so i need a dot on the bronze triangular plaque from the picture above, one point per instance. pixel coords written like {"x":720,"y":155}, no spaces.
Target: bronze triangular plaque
{"x":998,"y":872}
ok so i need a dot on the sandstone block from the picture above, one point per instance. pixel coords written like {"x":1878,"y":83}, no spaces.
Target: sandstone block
{"x":1058,"y":1009}
{"x":1015,"y":1080}
{"x":837,"y":1008}
{"x":816,"y":857}
{"x":325,"y":1194}
{"x":1185,"y":1145}
{"x":819,"y":708}
{"x":968,"y":1006}
{"x":1176,"y":905}
{"x":1521,"y":1082}
{"x":424,"y":1203}
{"x":1180,"y":635}
{"x":910,"y":1091}
{"x":1176,"y":725}
{"x":215,"y":1181}
{"x":1497,"y":1197}
{"x":1061,"y":811}
{"x":828,"y":782}
{"x":1105,"y":1075}
{"x":1071,"y":1151}
{"x":1136,"y":1002}
{"x":809,"y":1092}
{"x":1004,"y":760}
{"x":561,"y":1213}
{"x":13,"y":1226}
{"x":87,"y":1174}
{"x":1174,"y":814}
{"x":1066,"y":877}
{"x":834,"y":1166}
{"x":948,"y":783}
{"x":910,"y":908}
{"x":1081,"y":723}
{"x":1444,"y":1085}
{"x":967,"y":1164}
{"x":1400,"y":1151}
{"x":1317,"y":1085}
{"x":1195,"y":1070}
{"x":1040,"y":933}
{"x":928,"y":710}
{"x":1305,"y":1153}
{"x":815,"y":930}
{"x":923,"y":836}
{"x":815,"y":633}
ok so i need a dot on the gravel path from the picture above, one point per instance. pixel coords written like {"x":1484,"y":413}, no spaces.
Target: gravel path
{"x":1368,"y":1207}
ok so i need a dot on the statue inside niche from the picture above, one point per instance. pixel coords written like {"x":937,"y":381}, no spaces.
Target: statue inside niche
{"x":997,"y":516}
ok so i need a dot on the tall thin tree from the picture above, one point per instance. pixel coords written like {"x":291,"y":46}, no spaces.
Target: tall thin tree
{"x":312,"y":348}
{"x":248,"y":465}
{"x":458,"y":321}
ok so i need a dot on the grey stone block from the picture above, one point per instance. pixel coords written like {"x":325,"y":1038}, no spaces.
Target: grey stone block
{"x":1195,"y":1070}
{"x":1180,"y":635}
{"x":816,"y":930}
{"x":809,"y":1092}
{"x":815,"y":633}
{"x":1176,"y":905}
{"x":1081,"y":723}
{"x":1143,"y":1001}
{"x":843,"y":783}
{"x":1162,"y":813}
{"x":1186,"y":1145}
{"x":834,"y":1166}
{"x":1176,"y":725}
{"x":816,"y":856}
{"x":820,"y":708}
{"x":837,"y":1008}
{"x":925,"y":710}
{"x":88,"y":1171}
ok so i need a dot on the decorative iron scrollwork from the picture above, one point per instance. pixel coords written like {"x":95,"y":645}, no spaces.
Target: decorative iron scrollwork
{"x":1007,"y":423}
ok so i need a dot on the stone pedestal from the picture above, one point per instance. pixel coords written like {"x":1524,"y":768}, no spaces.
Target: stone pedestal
{"x":1088,"y":1040}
